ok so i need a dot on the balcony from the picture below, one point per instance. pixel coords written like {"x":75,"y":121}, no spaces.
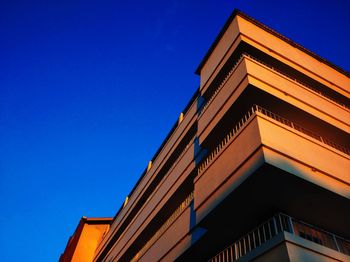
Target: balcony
{"x":250,"y":71}
{"x":263,"y":137}
{"x":161,"y":158}
{"x":273,"y":227}
{"x":155,"y":202}
{"x":159,"y":243}
{"x":273,"y":116}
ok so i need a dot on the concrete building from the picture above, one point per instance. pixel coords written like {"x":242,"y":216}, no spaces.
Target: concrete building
{"x":257,"y":166}
{"x":82,"y":244}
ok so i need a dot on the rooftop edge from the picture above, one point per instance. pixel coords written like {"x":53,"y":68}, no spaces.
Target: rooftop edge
{"x":237,"y":12}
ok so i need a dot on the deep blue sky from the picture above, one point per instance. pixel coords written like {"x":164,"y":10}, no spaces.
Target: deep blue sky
{"x":89,"y":90}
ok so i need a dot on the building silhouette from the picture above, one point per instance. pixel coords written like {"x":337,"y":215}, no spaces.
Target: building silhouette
{"x":256,"y":168}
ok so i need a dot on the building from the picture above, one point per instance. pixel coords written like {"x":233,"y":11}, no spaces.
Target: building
{"x":82,"y":244}
{"x":257,"y":166}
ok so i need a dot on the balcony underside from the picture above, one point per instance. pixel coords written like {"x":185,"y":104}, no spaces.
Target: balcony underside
{"x":264,"y":140}
{"x":266,"y":191}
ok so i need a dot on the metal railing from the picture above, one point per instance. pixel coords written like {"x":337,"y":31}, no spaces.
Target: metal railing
{"x":290,"y":77}
{"x":320,"y":236}
{"x":223,"y":82}
{"x":272,"y":227}
{"x":226,"y":139}
{"x":250,"y":241}
{"x":303,"y":130}
{"x":164,"y":227}
{"x":250,"y":114}
{"x":343,"y":245}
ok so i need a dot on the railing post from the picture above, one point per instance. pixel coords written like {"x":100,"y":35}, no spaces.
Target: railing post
{"x":280,"y":221}
{"x":275,"y":224}
{"x":336,"y":243}
{"x":231,"y":254}
{"x":259,"y":237}
{"x":237,"y":251}
{"x":290,"y":225}
{"x":269,"y":227}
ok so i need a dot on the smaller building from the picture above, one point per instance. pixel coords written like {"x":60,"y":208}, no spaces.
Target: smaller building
{"x":82,"y":244}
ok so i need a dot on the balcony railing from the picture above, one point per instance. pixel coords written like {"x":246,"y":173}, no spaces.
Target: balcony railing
{"x":292,"y":78}
{"x":164,"y":227}
{"x":281,"y":72}
{"x":223,"y":82}
{"x":272,"y":227}
{"x":250,"y":114}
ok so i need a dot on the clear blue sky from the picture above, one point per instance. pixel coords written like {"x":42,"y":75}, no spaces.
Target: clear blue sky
{"x":89,"y":90}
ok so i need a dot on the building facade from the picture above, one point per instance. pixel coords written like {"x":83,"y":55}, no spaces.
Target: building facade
{"x":82,"y":244}
{"x":257,"y":166}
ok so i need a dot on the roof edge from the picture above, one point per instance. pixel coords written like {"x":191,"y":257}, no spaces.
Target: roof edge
{"x":217,"y":39}
{"x":96,"y":220}
{"x":269,"y":30}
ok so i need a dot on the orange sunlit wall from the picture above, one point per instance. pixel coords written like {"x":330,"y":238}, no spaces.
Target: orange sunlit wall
{"x":83,"y":243}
